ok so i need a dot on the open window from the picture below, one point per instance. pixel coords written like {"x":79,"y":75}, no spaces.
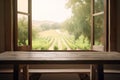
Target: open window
{"x":99,"y":25}
{"x":84,"y":29}
{"x":23,"y":25}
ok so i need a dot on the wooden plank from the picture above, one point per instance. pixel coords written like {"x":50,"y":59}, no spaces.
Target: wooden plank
{"x":8,"y":17}
{"x":92,"y":72}
{"x":50,"y":71}
{"x":106,"y":71}
{"x":60,"y":57}
{"x":25,"y":72}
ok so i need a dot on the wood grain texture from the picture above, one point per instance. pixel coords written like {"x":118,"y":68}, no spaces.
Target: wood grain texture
{"x":97,"y":58}
{"x":2,"y":38}
{"x":60,"y":57}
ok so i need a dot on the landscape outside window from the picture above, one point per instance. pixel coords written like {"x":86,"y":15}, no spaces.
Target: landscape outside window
{"x":99,"y":22}
{"x":22,"y":15}
{"x":60,"y":25}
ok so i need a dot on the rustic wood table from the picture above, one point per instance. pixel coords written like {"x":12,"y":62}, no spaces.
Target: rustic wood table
{"x":95,"y":58}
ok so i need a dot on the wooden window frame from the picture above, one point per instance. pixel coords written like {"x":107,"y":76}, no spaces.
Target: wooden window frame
{"x":29,"y":14}
{"x":93,"y":14}
{"x":106,"y":43}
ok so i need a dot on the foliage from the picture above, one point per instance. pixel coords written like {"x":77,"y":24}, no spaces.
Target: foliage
{"x":70,"y":42}
{"x":64,"y":48}
{"x":82,"y":43}
{"x":99,"y":6}
{"x":79,"y":23}
{"x":47,"y":26}
{"x":42,"y":43}
{"x":99,"y":29}
{"x":35,"y":33}
{"x":55,"y":47}
{"x":22,"y":31}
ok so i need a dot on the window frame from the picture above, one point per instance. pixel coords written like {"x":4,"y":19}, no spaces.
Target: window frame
{"x":93,"y":14}
{"x":29,"y":14}
{"x":16,"y":47}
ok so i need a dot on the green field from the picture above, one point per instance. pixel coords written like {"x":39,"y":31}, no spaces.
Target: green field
{"x":55,"y":39}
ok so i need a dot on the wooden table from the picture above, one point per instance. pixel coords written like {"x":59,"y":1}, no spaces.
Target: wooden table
{"x":96,"y":58}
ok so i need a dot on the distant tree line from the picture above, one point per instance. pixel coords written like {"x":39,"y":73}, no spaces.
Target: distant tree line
{"x":47,"y":26}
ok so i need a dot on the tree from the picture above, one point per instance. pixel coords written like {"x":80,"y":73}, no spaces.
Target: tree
{"x":48,"y":26}
{"x":22,"y":31}
{"x":45,"y":26}
{"x":79,"y":23}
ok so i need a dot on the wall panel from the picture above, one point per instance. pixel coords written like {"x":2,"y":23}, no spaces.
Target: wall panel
{"x":2,"y":40}
{"x":118,"y":25}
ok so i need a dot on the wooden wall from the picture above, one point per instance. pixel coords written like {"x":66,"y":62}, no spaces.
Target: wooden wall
{"x":2,"y":38}
{"x":114,"y":25}
{"x":118,"y":25}
{"x":6,"y":25}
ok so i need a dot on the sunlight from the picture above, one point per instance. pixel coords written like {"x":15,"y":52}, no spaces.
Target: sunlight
{"x":50,"y":10}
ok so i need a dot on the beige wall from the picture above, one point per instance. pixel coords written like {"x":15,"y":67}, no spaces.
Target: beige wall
{"x":2,"y":25}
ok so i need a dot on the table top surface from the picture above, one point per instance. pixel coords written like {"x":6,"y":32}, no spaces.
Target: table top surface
{"x":60,"y":57}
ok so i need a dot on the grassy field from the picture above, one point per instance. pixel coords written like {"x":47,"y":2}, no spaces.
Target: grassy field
{"x":55,"y":39}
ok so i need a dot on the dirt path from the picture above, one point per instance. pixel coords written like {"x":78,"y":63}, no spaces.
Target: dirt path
{"x":59,"y":44}
{"x":68,"y":48}
{"x":53,"y":44}
{"x":59,"y":40}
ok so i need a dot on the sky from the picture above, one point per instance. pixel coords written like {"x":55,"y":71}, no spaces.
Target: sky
{"x":50,"y":10}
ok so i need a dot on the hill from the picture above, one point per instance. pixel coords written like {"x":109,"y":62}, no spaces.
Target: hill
{"x":36,"y":23}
